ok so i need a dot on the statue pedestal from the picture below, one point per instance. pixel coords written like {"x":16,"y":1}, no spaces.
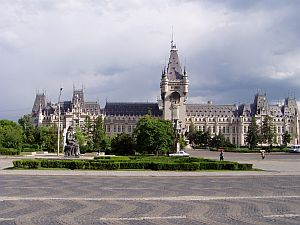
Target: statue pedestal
{"x":177,"y":147}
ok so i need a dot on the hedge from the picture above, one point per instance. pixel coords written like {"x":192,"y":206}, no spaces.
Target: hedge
{"x":112,"y":158}
{"x":27,"y":163}
{"x":9,"y":151}
{"x":113,"y":165}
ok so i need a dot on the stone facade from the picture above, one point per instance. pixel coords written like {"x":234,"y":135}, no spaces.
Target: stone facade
{"x":231,"y":120}
{"x":74,"y":112}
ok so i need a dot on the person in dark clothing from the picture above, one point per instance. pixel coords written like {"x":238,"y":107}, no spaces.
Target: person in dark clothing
{"x":222,"y":155}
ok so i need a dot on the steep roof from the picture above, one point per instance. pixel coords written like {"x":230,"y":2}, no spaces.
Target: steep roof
{"x":211,"y":110}
{"x":39,"y":103}
{"x":174,"y":71}
{"x":134,"y":108}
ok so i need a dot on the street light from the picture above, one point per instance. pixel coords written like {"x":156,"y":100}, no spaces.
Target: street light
{"x":58,"y":127}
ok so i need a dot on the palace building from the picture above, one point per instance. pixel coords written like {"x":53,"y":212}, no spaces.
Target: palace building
{"x":121,"y":117}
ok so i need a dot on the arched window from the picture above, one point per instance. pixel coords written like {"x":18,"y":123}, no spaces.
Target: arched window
{"x":175,"y":98}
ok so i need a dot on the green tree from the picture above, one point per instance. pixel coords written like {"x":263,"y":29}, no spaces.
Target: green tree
{"x":267,"y":131}
{"x":218,"y":141}
{"x":11,"y":134}
{"x":202,"y":138}
{"x":28,"y":129}
{"x":88,"y":125}
{"x":286,"y":138}
{"x":99,"y":136}
{"x":122,"y":144}
{"x":46,"y":137}
{"x":154,"y":136}
{"x":51,"y":138}
{"x":80,"y":137}
{"x":105,"y":145}
{"x":192,"y":133}
{"x":252,"y":137}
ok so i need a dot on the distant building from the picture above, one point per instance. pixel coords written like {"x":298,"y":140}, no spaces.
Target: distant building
{"x":119,"y":117}
{"x":74,"y":112}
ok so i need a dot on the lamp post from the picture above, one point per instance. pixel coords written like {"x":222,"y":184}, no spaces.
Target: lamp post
{"x":58,"y":127}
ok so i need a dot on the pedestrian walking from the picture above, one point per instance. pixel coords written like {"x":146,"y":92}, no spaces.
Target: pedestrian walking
{"x":262,"y":153}
{"x":222,"y":155}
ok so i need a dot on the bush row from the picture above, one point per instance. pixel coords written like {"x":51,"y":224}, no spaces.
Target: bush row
{"x":96,"y":165}
{"x":9,"y":151}
{"x":111,"y":158}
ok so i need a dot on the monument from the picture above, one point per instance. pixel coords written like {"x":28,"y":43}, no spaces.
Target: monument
{"x":72,"y":146}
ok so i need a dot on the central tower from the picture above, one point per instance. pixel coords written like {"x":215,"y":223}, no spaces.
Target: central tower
{"x":174,"y":89}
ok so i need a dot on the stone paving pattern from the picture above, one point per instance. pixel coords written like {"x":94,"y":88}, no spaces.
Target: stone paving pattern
{"x":155,"y":197}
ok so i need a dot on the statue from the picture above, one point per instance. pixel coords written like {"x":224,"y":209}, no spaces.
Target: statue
{"x":72,"y":147}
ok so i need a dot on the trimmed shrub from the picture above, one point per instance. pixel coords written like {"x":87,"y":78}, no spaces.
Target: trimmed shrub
{"x":9,"y":151}
{"x":104,"y":166}
{"x":227,"y":166}
{"x":183,"y":164}
{"x":111,"y":158}
{"x":27,"y":164}
{"x":245,"y":166}
{"x":134,"y":165}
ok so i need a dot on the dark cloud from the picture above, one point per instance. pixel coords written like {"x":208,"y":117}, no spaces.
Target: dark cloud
{"x":116,"y":49}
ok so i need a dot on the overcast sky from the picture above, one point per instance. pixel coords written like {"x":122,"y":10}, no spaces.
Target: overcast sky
{"x":116,"y":49}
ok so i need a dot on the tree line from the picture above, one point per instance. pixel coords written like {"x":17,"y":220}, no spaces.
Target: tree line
{"x":151,"y":136}
{"x":264,"y":134}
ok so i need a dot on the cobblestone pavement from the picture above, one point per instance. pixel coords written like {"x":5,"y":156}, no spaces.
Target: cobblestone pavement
{"x":276,"y":162}
{"x":149,"y":200}
{"x":154,"y":197}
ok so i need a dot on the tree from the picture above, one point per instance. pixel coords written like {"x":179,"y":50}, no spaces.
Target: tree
{"x":88,"y":126}
{"x":28,"y":129}
{"x":252,"y":137}
{"x":286,"y":138}
{"x":267,"y":131}
{"x":154,"y":136}
{"x":99,"y":135}
{"x":11,"y":134}
{"x":51,"y":138}
{"x":80,"y":137}
{"x":218,"y":141}
{"x":46,"y":137}
{"x":122,"y":144}
{"x":202,"y":138}
{"x":192,"y":133}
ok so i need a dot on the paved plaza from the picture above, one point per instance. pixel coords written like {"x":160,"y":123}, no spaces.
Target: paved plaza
{"x":186,"y":200}
{"x":273,"y":164}
{"x":68,"y":197}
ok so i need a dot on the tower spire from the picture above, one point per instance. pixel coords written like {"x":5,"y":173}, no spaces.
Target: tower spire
{"x":173,"y":45}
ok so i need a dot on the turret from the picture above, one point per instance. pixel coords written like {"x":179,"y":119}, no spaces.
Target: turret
{"x":40,"y":115}
{"x":164,"y":83}
{"x":261,"y":105}
{"x":185,"y":82}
